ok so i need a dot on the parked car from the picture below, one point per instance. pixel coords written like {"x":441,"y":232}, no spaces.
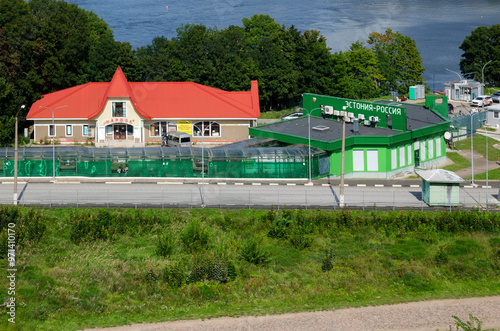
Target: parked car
{"x":479,"y":100}
{"x":495,"y":97}
{"x":293,"y":115}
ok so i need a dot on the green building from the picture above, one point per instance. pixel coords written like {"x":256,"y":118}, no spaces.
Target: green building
{"x":382,"y":139}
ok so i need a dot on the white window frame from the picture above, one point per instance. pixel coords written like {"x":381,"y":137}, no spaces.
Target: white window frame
{"x":206,"y":128}
{"x":438,"y":146}
{"x":124,"y":105}
{"x":358,"y":160}
{"x":70,"y":127}
{"x":394,"y":158}
{"x":423,"y":151}
{"x":430,"y":146}
{"x":410,"y":155}
{"x":402,"y":157}
{"x":372,"y":160}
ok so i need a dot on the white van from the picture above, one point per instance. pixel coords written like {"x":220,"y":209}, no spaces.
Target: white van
{"x":178,"y":139}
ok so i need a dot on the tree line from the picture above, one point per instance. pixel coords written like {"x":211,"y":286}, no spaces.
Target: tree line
{"x":49,"y":45}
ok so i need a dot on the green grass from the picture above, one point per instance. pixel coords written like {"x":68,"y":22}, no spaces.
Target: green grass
{"x":103,"y":267}
{"x":459,"y":162}
{"x":479,"y":145}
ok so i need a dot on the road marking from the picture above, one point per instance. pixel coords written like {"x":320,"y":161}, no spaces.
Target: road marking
{"x":325,"y":184}
{"x":468,"y":186}
{"x":221,"y":183}
{"x":170,"y":183}
{"x":379,"y":185}
{"x":414,"y":185}
{"x":273,"y":184}
{"x":396,"y":185}
{"x":67,"y":182}
{"x":361,"y":185}
{"x":256,"y":184}
{"x":291,"y":184}
{"x":309,"y":184}
{"x":19,"y":183}
{"x":484,"y":186}
{"x":239,"y":184}
{"x":117,"y":183}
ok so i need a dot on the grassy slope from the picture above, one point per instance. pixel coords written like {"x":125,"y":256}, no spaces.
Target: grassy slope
{"x":378,"y":258}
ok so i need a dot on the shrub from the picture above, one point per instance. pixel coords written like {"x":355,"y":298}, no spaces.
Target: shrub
{"x":89,"y":227}
{"x":165,"y":245}
{"x":473,"y":324}
{"x":195,"y":236}
{"x":24,"y":228}
{"x":253,"y":252}
{"x":209,"y":267}
{"x":328,"y":259}
{"x":299,"y":239}
{"x":279,"y":226}
{"x":441,"y":256}
{"x":173,"y":275}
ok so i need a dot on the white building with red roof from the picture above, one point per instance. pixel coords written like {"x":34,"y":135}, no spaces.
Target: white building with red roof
{"x":128,"y":114}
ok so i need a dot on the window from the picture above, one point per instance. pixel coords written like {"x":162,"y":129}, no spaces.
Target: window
{"x":430,"y":146}
{"x":402,"y":156}
{"x":358,"y":160}
{"x":394,"y":158}
{"x":159,"y":128}
{"x":423,"y":153}
{"x":119,"y":109}
{"x":209,"y":129}
{"x":85,"y":130}
{"x":69,"y":130}
{"x":495,"y":114}
{"x":130,"y":130}
{"x":51,"y":131}
{"x":438,"y":146}
{"x":109,"y":130}
{"x":409,"y":155}
{"x":372,"y":160}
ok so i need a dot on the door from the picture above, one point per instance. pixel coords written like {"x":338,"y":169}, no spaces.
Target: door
{"x":120,"y":132}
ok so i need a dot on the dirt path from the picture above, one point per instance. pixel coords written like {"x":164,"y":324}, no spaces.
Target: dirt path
{"x":424,"y":315}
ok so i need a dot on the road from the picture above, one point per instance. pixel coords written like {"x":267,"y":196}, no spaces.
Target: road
{"x":232,"y":194}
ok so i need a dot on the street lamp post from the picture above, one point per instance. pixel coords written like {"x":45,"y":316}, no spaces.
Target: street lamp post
{"x":16,"y":157}
{"x":342,"y":164}
{"x":461,"y":87}
{"x":309,"y":142}
{"x":472,"y":144}
{"x":482,"y":82}
{"x":53,"y":111}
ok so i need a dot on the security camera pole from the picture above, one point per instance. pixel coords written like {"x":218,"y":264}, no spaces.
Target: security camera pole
{"x":15,"y":159}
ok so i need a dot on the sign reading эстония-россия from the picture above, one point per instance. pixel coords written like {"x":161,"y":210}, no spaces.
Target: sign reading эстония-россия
{"x":380,"y":110}
{"x":357,"y":107}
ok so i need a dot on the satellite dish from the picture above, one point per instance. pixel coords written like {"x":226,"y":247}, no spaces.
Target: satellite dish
{"x":447,"y":135}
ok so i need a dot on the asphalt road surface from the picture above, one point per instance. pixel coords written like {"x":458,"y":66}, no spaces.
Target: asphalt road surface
{"x":220,"y":194}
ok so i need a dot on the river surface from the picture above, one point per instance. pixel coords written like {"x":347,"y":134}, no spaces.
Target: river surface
{"x":437,"y":26}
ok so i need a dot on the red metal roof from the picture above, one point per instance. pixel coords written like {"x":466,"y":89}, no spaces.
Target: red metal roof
{"x":164,"y":100}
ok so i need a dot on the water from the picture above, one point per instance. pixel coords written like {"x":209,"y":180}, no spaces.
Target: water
{"x":437,"y":26}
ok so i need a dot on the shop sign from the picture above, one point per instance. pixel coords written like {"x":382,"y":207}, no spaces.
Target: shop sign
{"x":119,"y":120}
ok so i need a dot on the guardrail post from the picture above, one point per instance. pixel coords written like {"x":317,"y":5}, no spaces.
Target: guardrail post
{"x":306,"y":199}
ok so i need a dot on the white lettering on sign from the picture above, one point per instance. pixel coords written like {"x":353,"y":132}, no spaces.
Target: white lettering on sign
{"x":372,"y":107}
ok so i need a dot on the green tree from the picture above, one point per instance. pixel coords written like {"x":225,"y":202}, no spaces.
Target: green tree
{"x":356,"y":75}
{"x":481,"y":46}
{"x":398,"y":61}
